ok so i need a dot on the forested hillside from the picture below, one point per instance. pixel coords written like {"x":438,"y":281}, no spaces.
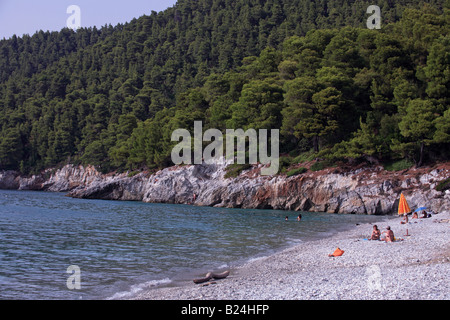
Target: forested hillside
{"x":112,"y":97}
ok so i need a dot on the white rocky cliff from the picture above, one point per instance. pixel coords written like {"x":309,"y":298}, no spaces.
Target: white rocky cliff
{"x":367,"y":190}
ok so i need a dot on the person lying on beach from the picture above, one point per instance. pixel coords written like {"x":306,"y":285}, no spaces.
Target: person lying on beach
{"x":375,"y":233}
{"x":425,"y":214}
{"x":389,"y":235}
{"x":415,"y":215}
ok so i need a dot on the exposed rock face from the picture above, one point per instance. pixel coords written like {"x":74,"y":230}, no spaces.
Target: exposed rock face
{"x":8,"y":180}
{"x":363,"y":191}
{"x":67,"y":178}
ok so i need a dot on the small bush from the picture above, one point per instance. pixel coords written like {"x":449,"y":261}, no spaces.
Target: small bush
{"x":305,"y":157}
{"x":296,"y":171}
{"x":443,"y":185}
{"x":322,"y":165}
{"x":284,"y":164}
{"x":133,"y":173}
{"x":398,"y":165}
{"x":234,"y":170}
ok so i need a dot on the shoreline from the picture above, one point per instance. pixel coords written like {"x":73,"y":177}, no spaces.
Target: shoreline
{"x":415,"y":268}
{"x":185,"y":279}
{"x":370,"y":190}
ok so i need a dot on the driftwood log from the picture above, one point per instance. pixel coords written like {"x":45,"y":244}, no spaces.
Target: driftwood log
{"x":211,"y":275}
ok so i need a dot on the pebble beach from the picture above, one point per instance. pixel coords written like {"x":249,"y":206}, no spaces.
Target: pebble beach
{"x":414,"y":267}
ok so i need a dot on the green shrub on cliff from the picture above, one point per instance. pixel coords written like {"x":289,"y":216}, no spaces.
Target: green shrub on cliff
{"x":296,"y":171}
{"x":398,"y":165}
{"x":235,"y":169}
{"x":320,"y":165}
{"x":443,"y":185}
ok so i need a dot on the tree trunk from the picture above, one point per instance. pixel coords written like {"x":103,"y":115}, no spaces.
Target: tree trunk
{"x":421,"y":155}
{"x":316,"y":143}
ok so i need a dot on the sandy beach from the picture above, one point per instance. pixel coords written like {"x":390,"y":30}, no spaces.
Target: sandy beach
{"x":416,"y":267}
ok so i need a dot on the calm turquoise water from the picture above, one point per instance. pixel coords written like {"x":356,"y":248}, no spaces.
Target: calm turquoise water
{"x":122,"y":248}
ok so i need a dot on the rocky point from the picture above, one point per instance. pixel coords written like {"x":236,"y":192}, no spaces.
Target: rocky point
{"x":363,"y":190}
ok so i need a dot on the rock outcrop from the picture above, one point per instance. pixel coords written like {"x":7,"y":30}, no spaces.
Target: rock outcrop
{"x":366,"y":190}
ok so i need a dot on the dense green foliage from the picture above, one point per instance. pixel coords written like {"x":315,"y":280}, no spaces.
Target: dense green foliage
{"x":112,"y":97}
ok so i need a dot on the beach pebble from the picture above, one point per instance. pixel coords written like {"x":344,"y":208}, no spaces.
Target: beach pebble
{"x":416,"y":268}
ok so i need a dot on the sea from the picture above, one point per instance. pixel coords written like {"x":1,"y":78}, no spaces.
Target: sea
{"x":53,"y":247}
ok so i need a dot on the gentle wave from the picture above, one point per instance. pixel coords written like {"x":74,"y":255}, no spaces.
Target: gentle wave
{"x":119,"y":246}
{"x":137,"y":288}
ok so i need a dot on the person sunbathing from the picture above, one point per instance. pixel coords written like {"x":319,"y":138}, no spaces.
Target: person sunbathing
{"x":375,"y":233}
{"x":425,"y":214}
{"x":389,"y":235}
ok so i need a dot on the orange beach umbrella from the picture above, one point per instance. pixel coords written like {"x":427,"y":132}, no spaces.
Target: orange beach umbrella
{"x":403,"y":206}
